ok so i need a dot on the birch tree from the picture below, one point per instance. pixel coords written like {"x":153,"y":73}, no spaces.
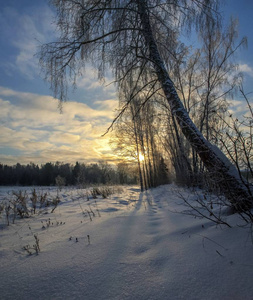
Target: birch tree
{"x":204,"y":78}
{"x":133,"y":38}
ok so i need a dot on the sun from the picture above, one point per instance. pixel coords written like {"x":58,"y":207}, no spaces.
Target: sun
{"x":141,"y":157}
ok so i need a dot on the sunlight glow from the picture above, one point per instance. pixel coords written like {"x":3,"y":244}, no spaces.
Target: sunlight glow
{"x":141,"y":157}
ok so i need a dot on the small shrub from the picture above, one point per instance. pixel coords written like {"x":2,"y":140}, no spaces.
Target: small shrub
{"x":95,"y":192}
{"x":34,"y":248}
{"x":34,"y":200}
{"x":205,"y":205}
{"x":7,"y":213}
{"x":42,"y":199}
{"x":97,"y":209}
{"x":21,"y":203}
{"x":55,"y":202}
{"x":89,"y":214}
{"x":106,"y":192}
{"x":14,"y":210}
{"x":118,"y":190}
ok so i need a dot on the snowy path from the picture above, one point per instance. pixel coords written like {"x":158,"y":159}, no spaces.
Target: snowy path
{"x":139,"y":250}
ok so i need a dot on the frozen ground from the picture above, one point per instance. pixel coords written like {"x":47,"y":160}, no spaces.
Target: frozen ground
{"x":134,"y":248}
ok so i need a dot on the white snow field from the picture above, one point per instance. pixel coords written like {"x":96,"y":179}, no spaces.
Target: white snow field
{"x":135,"y":247}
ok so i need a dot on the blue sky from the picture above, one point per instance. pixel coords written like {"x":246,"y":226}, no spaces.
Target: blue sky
{"x":31,"y":127}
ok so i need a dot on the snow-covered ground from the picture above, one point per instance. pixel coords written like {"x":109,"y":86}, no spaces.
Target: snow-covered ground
{"x":135,"y":247}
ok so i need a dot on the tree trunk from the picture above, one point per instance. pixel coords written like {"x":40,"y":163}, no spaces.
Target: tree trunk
{"x":184,"y":162}
{"x":227,"y":179}
{"x":138,"y":151}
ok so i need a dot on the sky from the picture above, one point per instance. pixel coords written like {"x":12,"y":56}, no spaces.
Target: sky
{"x":32,"y":129}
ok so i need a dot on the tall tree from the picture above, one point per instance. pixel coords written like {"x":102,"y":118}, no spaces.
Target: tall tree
{"x":133,"y":37}
{"x":204,"y":78}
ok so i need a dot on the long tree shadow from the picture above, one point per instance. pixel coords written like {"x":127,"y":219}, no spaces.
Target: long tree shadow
{"x":114,"y":270}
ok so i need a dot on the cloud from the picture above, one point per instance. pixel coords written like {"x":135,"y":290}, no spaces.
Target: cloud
{"x":245,"y":68}
{"x":239,"y":108}
{"x":94,"y":90}
{"x":64,"y":138}
{"x":110,"y":104}
{"x":24,"y":32}
{"x":32,"y":125}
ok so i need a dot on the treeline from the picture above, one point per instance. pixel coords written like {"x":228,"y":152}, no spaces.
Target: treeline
{"x":67,"y":174}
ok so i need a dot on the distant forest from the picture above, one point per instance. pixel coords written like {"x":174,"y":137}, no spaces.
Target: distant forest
{"x":67,"y":174}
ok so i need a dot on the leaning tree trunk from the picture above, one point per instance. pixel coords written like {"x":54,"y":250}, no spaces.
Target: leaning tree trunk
{"x":224,"y":174}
